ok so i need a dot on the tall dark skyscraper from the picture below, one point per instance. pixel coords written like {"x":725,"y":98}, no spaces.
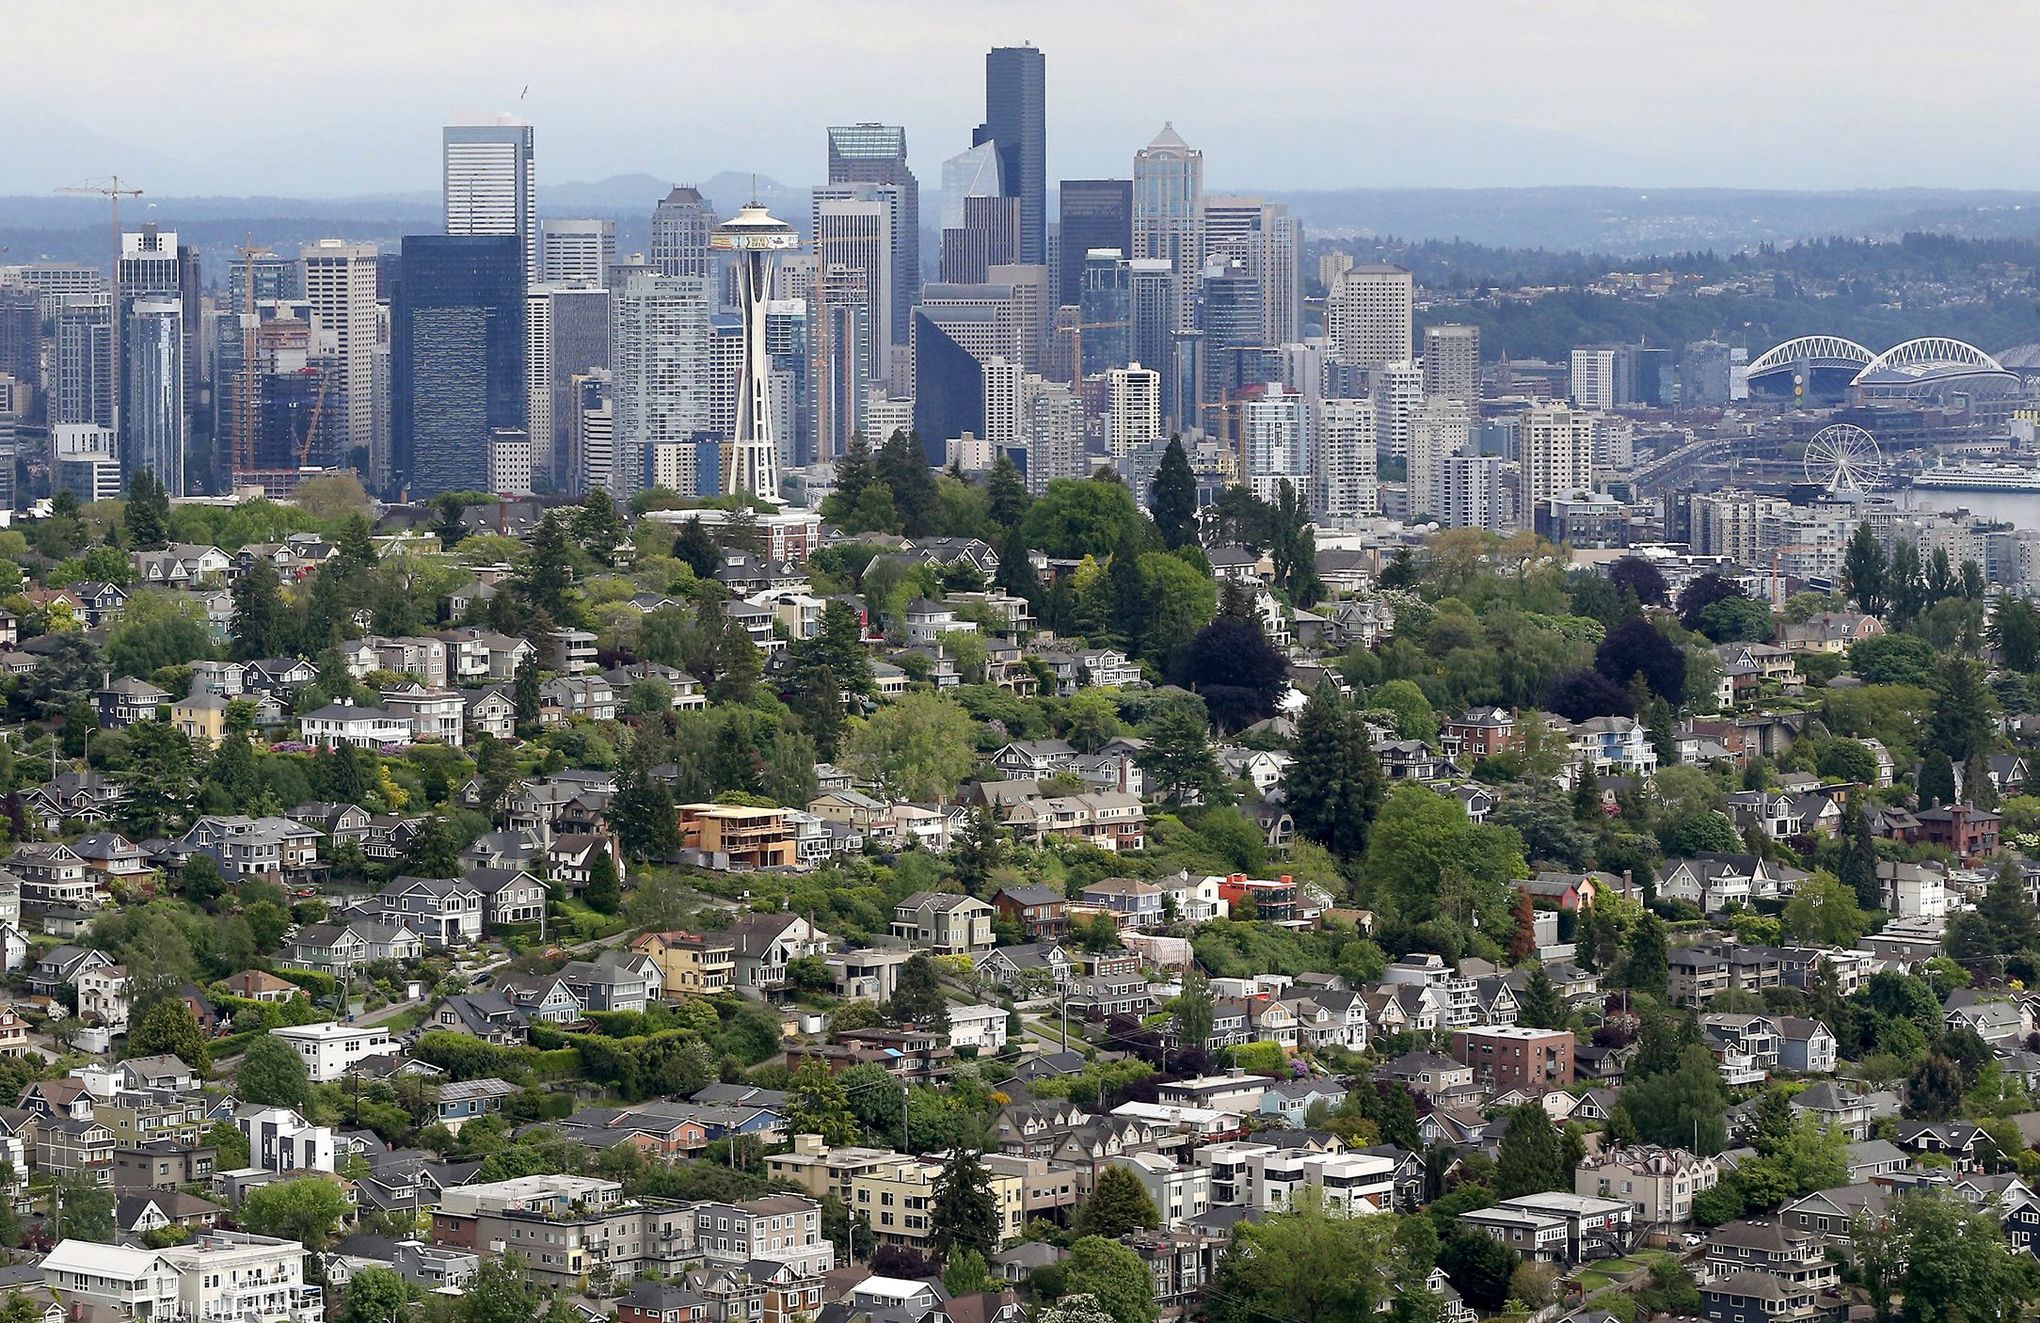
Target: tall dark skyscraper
{"x":456,"y":358}
{"x":877,"y":154}
{"x":1096,"y":213}
{"x":1015,"y":122}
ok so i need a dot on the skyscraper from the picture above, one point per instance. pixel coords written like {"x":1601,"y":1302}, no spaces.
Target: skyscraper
{"x":1094,"y":213}
{"x":1452,"y":363}
{"x":1168,"y":211}
{"x":456,"y":357}
{"x":1369,"y":315}
{"x":1557,"y":454}
{"x":340,"y":286}
{"x":81,"y":368}
{"x":1135,"y":404}
{"x":1016,"y":122}
{"x":1593,"y":378}
{"x":680,"y":226}
{"x":877,"y":154}
{"x":1272,"y":423}
{"x":660,"y":369}
{"x":854,"y":227}
{"x":1470,"y":492}
{"x":152,"y":379}
{"x":576,"y":251}
{"x":753,"y":236}
{"x":490,"y":183}
{"x":1347,"y":455}
{"x":989,"y":236}
{"x":1265,"y":237}
{"x":1442,"y":428}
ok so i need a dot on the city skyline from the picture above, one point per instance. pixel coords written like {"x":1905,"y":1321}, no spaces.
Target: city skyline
{"x":627,"y":87}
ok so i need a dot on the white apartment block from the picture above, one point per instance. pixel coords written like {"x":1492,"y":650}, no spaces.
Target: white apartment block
{"x":1135,"y":393}
{"x":1347,"y":459}
{"x":330,"y":1050}
{"x":225,"y":1276}
{"x":1557,"y":454}
{"x":1370,"y":315}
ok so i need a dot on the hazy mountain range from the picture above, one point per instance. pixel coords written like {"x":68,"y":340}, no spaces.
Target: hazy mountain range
{"x":1616,"y":221}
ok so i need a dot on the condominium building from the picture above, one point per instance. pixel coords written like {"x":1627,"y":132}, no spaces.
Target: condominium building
{"x":1370,"y":315}
{"x":1452,"y":363}
{"x":1557,"y":454}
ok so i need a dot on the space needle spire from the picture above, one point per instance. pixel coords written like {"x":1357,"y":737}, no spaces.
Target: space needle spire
{"x":753,"y":235}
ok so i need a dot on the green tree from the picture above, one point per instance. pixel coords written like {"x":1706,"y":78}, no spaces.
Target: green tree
{"x":1179,"y":754}
{"x":1542,"y":1007}
{"x":917,"y":748}
{"x":170,"y":1028}
{"x":1119,"y":1203}
{"x":1114,"y":1275}
{"x":1172,"y":498}
{"x":964,"y":1272}
{"x":524,"y":692}
{"x":271,"y":1072}
{"x":257,"y":611}
{"x":597,"y":527}
{"x":1531,"y":1159}
{"x":1961,"y":721}
{"x":373,"y":1295}
{"x":965,"y":1209}
{"x":1082,"y":517}
{"x":1196,"y":1009}
{"x":1864,"y":568}
{"x":435,"y":849}
{"x":82,"y":1208}
{"x":1936,"y":784}
{"x":1933,"y":1092}
{"x":306,"y":1210}
{"x":1825,"y":912}
{"x":1425,"y":859}
{"x":501,"y":1292}
{"x":1006,"y":498}
{"x":1333,"y":787}
{"x":547,"y":574}
{"x":1956,"y":1267}
{"x":917,"y":995}
{"x":820,"y":1105}
{"x":147,"y":514}
{"x":1648,"y":966}
{"x":1313,"y":1264}
{"x":1683,"y":1107}
{"x":605,"y":890}
{"x":1857,"y":868}
{"x":697,"y":550}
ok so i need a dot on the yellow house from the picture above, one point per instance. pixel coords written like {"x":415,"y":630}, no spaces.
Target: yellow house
{"x":691,"y":964}
{"x":899,"y":1197}
{"x":200,"y":718}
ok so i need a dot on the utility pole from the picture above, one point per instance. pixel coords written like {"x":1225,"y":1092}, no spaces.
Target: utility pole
{"x":112,"y":191}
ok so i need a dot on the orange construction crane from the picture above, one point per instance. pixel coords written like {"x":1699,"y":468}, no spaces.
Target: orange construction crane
{"x":304,"y":449}
{"x":113,"y":192}
{"x":1075,"y":330}
{"x":251,"y":321}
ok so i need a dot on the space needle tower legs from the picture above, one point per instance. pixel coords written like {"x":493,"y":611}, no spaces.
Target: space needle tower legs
{"x":753,"y":236}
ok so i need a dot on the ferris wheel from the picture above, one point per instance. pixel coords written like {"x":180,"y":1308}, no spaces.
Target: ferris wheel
{"x":1844,"y":458}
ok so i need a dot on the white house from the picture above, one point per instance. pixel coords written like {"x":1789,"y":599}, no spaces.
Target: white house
{"x":330,"y":1050}
{"x":346,"y":723}
{"x":981,"y":1027}
{"x":280,"y":1139}
{"x":217,"y":1275}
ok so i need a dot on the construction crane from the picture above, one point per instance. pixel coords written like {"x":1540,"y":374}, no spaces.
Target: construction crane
{"x":251,"y":320}
{"x":1075,"y":330}
{"x":113,"y":192}
{"x":304,"y":449}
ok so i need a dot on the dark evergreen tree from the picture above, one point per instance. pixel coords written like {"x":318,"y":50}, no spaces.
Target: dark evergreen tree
{"x":1857,"y":867}
{"x":965,"y":1210}
{"x":1333,"y":787}
{"x":1542,"y":1007}
{"x":697,"y":550}
{"x":737,"y":665}
{"x":642,"y":812}
{"x":1172,"y":498}
{"x":1936,"y":785}
{"x":917,"y":995}
{"x":147,"y":516}
{"x":435,"y":850}
{"x":1179,"y":755}
{"x":1961,"y":721}
{"x":548,"y":572}
{"x":903,"y":468}
{"x":1648,"y":966}
{"x":1586,"y":798}
{"x":525,"y":694}
{"x":1864,"y":568}
{"x":1976,"y":783}
{"x":1231,"y":664}
{"x":1006,"y":498}
{"x":597,"y":526}
{"x":450,"y":525}
{"x":978,"y":850}
{"x":605,"y":890}
{"x":1531,"y":1159}
{"x":258,"y":611}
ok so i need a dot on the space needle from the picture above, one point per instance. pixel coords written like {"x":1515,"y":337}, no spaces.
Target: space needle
{"x":754,"y":236}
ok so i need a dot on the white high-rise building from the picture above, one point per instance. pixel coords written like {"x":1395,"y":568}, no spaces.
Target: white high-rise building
{"x":1557,"y":454}
{"x":510,"y":461}
{"x":1452,"y":363}
{"x":594,"y":434}
{"x":1443,"y":427}
{"x":539,"y":430}
{"x":576,"y":252}
{"x":340,"y":287}
{"x":1370,"y":314}
{"x":1347,"y":459}
{"x":1398,"y":392}
{"x":1273,"y":426}
{"x":490,"y":182}
{"x":1593,"y":379}
{"x":1470,"y":492}
{"x":1002,"y":404}
{"x":660,"y":364}
{"x":853,"y":225}
{"x":1052,"y":419}
{"x":1168,"y":213}
{"x":1135,"y":398}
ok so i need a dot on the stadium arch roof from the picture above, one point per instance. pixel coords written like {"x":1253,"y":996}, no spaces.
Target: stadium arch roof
{"x":1828,"y":351}
{"x":1928,"y":359}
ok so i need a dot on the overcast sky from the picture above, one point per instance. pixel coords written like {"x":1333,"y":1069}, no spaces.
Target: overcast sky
{"x":240,"y":97}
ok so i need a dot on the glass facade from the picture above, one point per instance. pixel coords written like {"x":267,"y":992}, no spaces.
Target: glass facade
{"x":456,"y":358}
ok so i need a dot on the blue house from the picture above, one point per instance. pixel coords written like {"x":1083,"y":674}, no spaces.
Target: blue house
{"x":1291,"y":1100}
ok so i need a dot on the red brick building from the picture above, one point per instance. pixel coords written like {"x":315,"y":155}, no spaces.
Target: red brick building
{"x":1507,"y":1057}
